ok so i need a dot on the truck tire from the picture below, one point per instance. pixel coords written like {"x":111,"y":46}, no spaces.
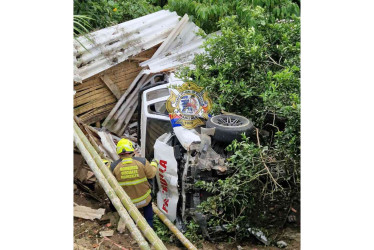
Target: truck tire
{"x":229,"y":127}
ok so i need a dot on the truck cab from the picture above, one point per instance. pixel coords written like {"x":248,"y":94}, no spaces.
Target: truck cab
{"x":185,"y":156}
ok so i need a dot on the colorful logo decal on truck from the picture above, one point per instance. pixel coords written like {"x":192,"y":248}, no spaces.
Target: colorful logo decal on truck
{"x":187,"y":105}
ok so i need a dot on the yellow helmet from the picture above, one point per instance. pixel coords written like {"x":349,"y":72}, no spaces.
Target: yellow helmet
{"x":125,"y":146}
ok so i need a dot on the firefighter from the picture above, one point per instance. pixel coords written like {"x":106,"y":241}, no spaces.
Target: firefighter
{"x":132,"y":173}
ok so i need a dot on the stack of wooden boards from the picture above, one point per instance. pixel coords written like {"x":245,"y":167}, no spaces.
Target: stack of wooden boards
{"x":96,"y":96}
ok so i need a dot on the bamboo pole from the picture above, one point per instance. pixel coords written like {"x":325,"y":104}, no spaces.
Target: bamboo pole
{"x":109,"y":191}
{"x":173,"y":228}
{"x":125,"y":199}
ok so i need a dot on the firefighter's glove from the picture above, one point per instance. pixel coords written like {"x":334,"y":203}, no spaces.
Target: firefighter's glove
{"x":106,"y":162}
{"x":154,"y":163}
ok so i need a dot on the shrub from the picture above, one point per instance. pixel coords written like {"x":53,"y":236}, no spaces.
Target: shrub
{"x":161,"y":229}
{"x":252,"y":70}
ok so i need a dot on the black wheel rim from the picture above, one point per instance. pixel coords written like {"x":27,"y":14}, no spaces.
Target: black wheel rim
{"x":229,"y":121}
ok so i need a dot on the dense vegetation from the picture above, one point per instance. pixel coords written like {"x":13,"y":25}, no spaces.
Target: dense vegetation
{"x":206,"y":13}
{"x":251,"y":69}
{"x":104,"y":13}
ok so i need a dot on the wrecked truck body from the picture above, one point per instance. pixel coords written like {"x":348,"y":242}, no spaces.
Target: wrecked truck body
{"x":185,"y":156}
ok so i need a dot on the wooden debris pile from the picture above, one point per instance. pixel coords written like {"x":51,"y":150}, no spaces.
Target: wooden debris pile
{"x":104,"y":143}
{"x":120,"y":116}
{"x":105,"y":105}
{"x":107,"y":61}
{"x":110,"y":98}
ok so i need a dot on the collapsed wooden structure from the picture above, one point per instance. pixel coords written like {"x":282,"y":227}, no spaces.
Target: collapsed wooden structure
{"x":96,"y":96}
{"x":110,"y":66}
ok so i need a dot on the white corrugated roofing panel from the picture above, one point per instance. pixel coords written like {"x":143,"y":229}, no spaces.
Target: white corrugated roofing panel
{"x":181,"y":55}
{"x":181,"y":51}
{"x":107,"y":47}
{"x":187,"y":35}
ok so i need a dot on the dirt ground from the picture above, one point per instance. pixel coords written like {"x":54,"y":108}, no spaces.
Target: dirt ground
{"x":87,"y":233}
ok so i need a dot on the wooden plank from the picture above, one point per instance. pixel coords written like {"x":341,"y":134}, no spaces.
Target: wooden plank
{"x":124,"y":82}
{"x":125,"y":76}
{"x":133,"y":105}
{"x":83,"y":93}
{"x":93,"y":96}
{"x":108,"y":144}
{"x":88,"y":213}
{"x":129,"y":115}
{"x":131,"y":95}
{"x":94,"y":103}
{"x":121,"y":100}
{"x":129,"y":105}
{"x":111,"y":86}
{"x":139,"y":59}
{"x":146,"y":53}
{"x":124,"y":71}
{"x":96,"y":115}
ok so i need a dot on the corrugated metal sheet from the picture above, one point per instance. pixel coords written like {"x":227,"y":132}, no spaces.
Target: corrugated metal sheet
{"x":113,"y":45}
{"x":181,"y":51}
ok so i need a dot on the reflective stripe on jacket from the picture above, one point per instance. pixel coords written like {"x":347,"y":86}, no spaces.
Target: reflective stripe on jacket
{"x":132,"y":175}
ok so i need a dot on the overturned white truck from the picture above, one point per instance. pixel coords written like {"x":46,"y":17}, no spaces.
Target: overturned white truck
{"x":185,"y":156}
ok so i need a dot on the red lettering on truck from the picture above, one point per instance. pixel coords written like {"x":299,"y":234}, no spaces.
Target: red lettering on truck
{"x":165,"y":205}
{"x":163,"y":164}
{"x":163,"y":182}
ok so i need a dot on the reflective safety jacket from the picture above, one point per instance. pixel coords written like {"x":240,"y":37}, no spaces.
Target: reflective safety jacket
{"x":132,"y":175}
